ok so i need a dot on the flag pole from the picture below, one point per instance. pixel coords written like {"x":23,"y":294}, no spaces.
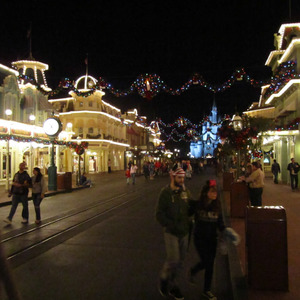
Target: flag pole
{"x":30,"y":41}
{"x":86,"y":71}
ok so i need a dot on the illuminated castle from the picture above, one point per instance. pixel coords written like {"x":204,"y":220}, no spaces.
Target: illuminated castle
{"x":205,"y":144}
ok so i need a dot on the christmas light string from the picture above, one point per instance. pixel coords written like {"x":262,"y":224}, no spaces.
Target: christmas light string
{"x":18,"y":138}
{"x":147,"y":85}
{"x":150,"y":85}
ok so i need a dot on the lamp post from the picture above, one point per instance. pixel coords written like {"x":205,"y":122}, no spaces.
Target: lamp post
{"x":8,"y":113}
{"x":237,"y":123}
{"x":52,"y":127}
{"x":79,"y":171}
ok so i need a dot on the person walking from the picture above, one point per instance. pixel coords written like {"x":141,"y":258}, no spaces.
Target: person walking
{"x":146,"y":170}
{"x":38,"y":192}
{"x":151,"y":170}
{"x":109,"y":166}
{"x":19,"y":191}
{"x":256,"y":184}
{"x":189,"y":170}
{"x":275,"y":170}
{"x":173,"y":214}
{"x":208,"y":221}
{"x":127,"y":174}
{"x":293,"y":168}
{"x":133,"y":171}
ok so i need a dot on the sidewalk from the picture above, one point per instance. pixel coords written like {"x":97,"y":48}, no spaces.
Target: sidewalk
{"x":275,"y":195}
{"x":5,"y":200}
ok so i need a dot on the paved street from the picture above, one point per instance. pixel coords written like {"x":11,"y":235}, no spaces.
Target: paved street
{"x":120,"y":253}
{"x":119,"y":256}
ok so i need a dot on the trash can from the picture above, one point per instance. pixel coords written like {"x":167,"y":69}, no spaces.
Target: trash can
{"x":64,"y":181}
{"x":60,"y":181}
{"x":239,"y":199}
{"x":227,"y":180}
{"x":266,"y":248}
{"x":68,"y":180}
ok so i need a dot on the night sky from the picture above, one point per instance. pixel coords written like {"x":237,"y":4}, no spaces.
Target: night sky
{"x":173,"y":39}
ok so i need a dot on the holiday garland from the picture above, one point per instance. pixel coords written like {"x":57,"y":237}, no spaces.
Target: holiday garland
{"x":18,"y":138}
{"x":147,"y":85}
{"x":150,"y":85}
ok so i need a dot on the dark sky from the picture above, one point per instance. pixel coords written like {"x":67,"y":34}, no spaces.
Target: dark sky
{"x":173,"y":39}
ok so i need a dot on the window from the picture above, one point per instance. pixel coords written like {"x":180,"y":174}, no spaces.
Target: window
{"x":91,"y":130}
{"x":80,"y":130}
{"x":90,"y":103}
{"x":81,"y":104}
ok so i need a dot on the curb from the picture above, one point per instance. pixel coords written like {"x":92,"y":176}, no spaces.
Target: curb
{"x":48,"y":194}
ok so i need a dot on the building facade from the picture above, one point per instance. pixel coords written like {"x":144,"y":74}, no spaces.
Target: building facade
{"x":280,"y":100}
{"x":85,"y":117}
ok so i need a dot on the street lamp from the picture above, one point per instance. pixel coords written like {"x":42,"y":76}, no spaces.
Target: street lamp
{"x":79,"y":153}
{"x":32,"y":118}
{"x":8,"y":113}
{"x":52,"y":127}
{"x":237,"y":123}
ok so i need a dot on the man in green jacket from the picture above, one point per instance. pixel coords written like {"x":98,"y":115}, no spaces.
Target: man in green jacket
{"x":172,"y":212}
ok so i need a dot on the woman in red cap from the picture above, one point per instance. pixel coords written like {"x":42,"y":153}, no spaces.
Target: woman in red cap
{"x":208,"y":220}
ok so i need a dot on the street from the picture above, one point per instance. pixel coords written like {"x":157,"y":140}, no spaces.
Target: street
{"x":99,"y":243}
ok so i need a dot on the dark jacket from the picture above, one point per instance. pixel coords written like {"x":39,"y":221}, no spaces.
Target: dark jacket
{"x":21,"y":178}
{"x":173,"y":211}
{"x":275,"y":168}
{"x":293,"y":168}
{"x":207,"y":222}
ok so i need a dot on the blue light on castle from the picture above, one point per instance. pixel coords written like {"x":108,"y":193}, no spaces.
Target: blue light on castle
{"x":205,"y":144}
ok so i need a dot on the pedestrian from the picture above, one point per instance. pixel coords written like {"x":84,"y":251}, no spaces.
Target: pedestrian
{"x":189,"y":170}
{"x":146,"y":170}
{"x":38,"y":192}
{"x":109,"y":166}
{"x":129,"y":164}
{"x":172,"y":212}
{"x":19,"y":192}
{"x":275,"y":170}
{"x":127,"y":174}
{"x":293,"y":167}
{"x":256,"y":184}
{"x":133,"y":171}
{"x":208,"y":223}
{"x":151,"y":169}
{"x":84,"y":181}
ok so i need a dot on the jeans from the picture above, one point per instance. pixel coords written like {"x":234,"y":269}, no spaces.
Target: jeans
{"x":16,"y":198}
{"x":37,"y":199}
{"x":133,"y":178}
{"x":294,"y":181}
{"x":176,"y":249}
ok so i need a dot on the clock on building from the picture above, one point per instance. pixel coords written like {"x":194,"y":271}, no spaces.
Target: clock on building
{"x":52,"y":126}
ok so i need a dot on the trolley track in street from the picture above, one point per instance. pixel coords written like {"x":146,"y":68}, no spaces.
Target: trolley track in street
{"x":27,"y":244}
